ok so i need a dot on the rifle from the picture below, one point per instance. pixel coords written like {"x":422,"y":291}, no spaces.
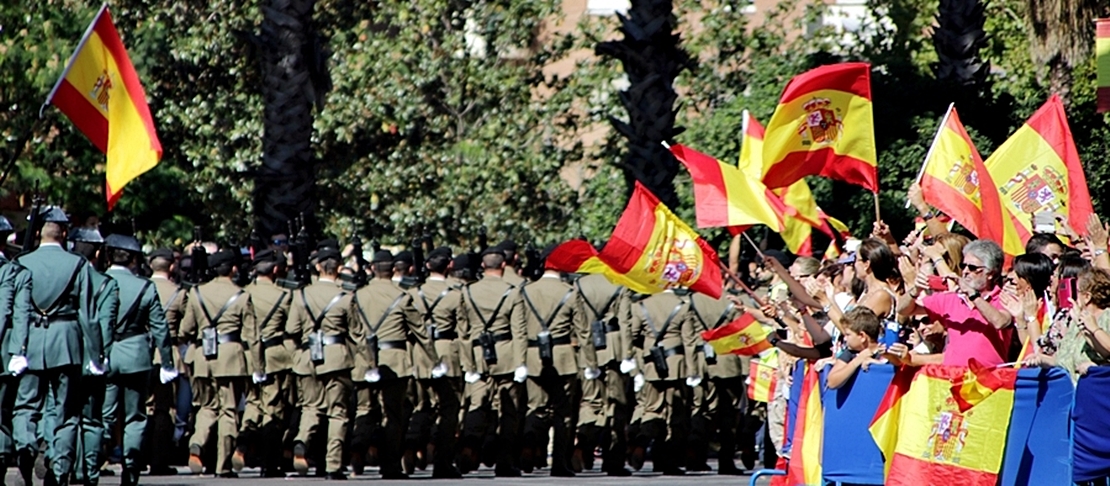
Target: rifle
{"x":300,"y":275}
{"x":198,"y":261}
{"x":359,"y":278}
{"x":533,"y":267}
{"x":483,"y":239}
{"x":419,"y":271}
{"x":32,"y":220}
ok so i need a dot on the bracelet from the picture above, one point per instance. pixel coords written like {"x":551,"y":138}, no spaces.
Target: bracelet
{"x":928,"y":215}
{"x":1030,"y":319}
{"x":1099,"y":252}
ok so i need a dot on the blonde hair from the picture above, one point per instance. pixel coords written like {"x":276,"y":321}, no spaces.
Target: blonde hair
{"x":953,"y":244}
{"x":808,"y":265}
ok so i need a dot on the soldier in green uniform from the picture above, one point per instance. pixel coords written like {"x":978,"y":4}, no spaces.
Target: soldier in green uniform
{"x":15,"y":307}
{"x":331,"y":341}
{"x":59,"y":339}
{"x":664,"y":339}
{"x":494,"y":368}
{"x":390,"y":320}
{"x":87,"y":242}
{"x":606,"y":405}
{"x":139,"y":330}
{"x":555,"y":317}
{"x":266,"y":417}
{"x":163,"y":397}
{"x":217,"y":320}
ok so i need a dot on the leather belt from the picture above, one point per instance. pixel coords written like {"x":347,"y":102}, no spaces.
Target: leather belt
{"x":330,"y":340}
{"x":129,"y":334}
{"x":496,"y":338}
{"x":444,"y":335}
{"x":44,"y":320}
{"x":535,"y":343}
{"x":274,"y":341}
{"x":233,"y":337}
{"x":402,"y":344}
{"x":677,"y":350}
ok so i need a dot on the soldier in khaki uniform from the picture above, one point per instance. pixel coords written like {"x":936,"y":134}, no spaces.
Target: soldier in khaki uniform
{"x":219,"y":320}
{"x":331,"y":341}
{"x":494,"y":368}
{"x":555,"y":318}
{"x":512,"y":260}
{"x":718,"y":402}
{"x":440,"y":304}
{"x":160,"y":424}
{"x":665,"y":342}
{"x":606,"y":405}
{"x":390,"y":321}
{"x":265,"y":419}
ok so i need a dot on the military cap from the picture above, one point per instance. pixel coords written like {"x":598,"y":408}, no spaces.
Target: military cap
{"x":5,"y":225}
{"x":327,"y":243}
{"x":493,"y":250}
{"x":53,"y":214}
{"x":460,"y":262}
{"x":382,"y":256}
{"x":85,"y":234}
{"x":264,"y":256}
{"x":123,"y":242}
{"x":328,"y":253}
{"x":441,"y":251}
{"x":222,"y":257}
{"x":508,"y":246}
{"x":162,"y":253}
{"x":404,"y":256}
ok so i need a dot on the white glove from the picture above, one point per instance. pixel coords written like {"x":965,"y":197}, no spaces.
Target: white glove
{"x":17,"y":365}
{"x":440,"y":370}
{"x":638,"y":382}
{"x":373,"y":376}
{"x":627,"y":366}
{"x":166,"y":375}
{"x":471,"y":377}
{"x":693,"y":381}
{"x":258,"y":377}
{"x":591,"y":373}
{"x":520,"y":374}
{"x":95,"y":369}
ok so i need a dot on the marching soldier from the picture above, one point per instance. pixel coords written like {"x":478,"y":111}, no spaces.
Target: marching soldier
{"x":215,"y":320}
{"x":163,"y":397}
{"x":495,"y":367}
{"x":15,"y":307}
{"x":390,"y":321}
{"x":265,"y":419}
{"x":331,"y":341}
{"x":138,"y":331}
{"x":61,"y":337}
{"x":606,"y":404}
{"x":664,"y":339}
{"x":512,"y":260}
{"x":555,"y":317}
{"x":403,"y":262}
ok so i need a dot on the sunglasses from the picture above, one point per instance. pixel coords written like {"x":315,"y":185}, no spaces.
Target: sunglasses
{"x":280,"y":242}
{"x":972,"y":268}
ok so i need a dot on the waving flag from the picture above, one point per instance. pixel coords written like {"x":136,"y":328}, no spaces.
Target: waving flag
{"x":101,"y":94}
{"x":979,"y":382}
{"x":823,"y":126}
{"x":764,"y":377}
{"x":723,"y":194}
{"x":805,"y":453}
{"x":744,"y":336}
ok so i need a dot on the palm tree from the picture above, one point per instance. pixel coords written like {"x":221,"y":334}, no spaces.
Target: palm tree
{"x":1060,"y":33}
{"x":652,"y":59}
{"x":957,"y":39}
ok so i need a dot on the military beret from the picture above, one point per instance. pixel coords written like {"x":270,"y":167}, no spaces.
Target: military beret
{"x":508,"y":245}
{"x":161,"y":253}
{"x":264,"y":256}
{"x":123,"y":242}
{"x":493,"y":250}
{"x":328,"y":254}
{"x":85,"y":234}
{"x":462,"y":261}
{"x":441,"y":251}
{"x":5,"y":225}
{"x":222,"y":257}
{"x":382,"y":256}
{"x":327,"y":243}
{"x":53,"y":214}
{"x":404,"y":257}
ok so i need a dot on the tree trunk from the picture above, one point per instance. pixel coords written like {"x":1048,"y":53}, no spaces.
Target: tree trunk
{"x":957,"y":39}
{"x":285,"y":184}
{"x":652,"y":59}
{"x":1060,"y":33}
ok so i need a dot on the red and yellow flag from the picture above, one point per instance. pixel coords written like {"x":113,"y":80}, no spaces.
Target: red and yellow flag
{"x":1028,"y":349}
{"x":764,"y":377}
{"x":839,"y":233}
{"x":823,"y":126}
{"x":723,"y":194}
{"x":800,"y":216}
{"x":1038,"y":170}
{"x":653,"y":250}
{"x":805,"y":453}
{"x":744,"y":336}
{"x":576,"y":256}
{"x":952,"y":177}
{"x":884,"y":426}
{"x":979,"y":382}
{"x":1102,"y":57}
{"x":100,"y":93}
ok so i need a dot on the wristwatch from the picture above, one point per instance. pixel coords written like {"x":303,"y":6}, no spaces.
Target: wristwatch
{"x":773,"y":339}
{"x":973,"y":295}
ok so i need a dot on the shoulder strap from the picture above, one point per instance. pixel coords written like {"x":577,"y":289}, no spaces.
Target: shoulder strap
{"x":103,"y":285}
{"x":318,"y":319}
{"x":173,"y":297}
{"x":51,"y":308}
{"x":385,"y":315}
{"x":724,"y":315}
{"x":134,"y":307}
{"x":604,"y":308}
{"x":486,"y":322}
{"x":545,"y":324}
{"x":227,"y":305}
{"x":429,"y":308}
{"x":666,"y":324}
{"x":720,"y":318}
{"x":273,"y":310}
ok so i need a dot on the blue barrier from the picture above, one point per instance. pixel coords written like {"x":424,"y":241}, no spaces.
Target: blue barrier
{"x":1038,"y":444}
{"x":1091,"y":422}
{"x":792,"y":405}
{"x":849,"y":453}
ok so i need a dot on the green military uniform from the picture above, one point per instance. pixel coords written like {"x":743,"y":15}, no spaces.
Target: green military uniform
{"x":606,"y":405}
{"x":220,"y":380}
{"x":721,"y":400}
{"x":15,"y":307}
{"x":494,"y":308}
{"x":139,"y":330}
{"x":389,"y":319}
{"x":160,"y":429}
{"x":265,"y":419}
{"x":664,"y":321}
{"x":92,"y":385}
{"x":324,"y":386}
{"x":554,"y":313}
{"x":60,"y":338}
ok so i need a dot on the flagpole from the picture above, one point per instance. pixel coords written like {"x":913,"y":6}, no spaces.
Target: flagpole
{"x":738,"y":282}
{"x":72,"y":58}
{"x":936,"y":138}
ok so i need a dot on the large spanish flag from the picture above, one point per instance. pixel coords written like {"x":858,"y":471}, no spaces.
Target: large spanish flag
{"x":1102,"y":56}
{"x":100,"y":93}
{"x":577,"y":256}
{"x":956,"y":181}
{"x":744,"y":336}
{"x":723,"y":194}
{"x":935,"y":442}
{"x":805,"y":453}
{"x":1038,"y":170}
{"x":654,"y":250}
{"x":823,"y":126}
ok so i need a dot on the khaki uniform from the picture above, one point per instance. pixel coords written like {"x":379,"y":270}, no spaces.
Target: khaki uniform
{"x":265,"y":420}
{"x":493,"y":307}
{"x":325,"y":387}
{"x":721,"y":400}
{"x":219,"y":382}
{"x":390,"y":321}
{"x":440,"y":304}
{"x":554,"y":308}
{"x":163,"y":397}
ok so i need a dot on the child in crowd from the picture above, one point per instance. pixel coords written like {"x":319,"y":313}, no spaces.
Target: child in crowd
{"x":862,"y":330}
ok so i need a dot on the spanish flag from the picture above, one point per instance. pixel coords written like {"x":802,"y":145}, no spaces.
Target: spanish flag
{"x":1102,"y":56}
{"x":979,"y":382}
{"x":751,"y":146}
{"x":805,"y":453}
{"x":1044,"y":321}
{"x":576,"y":256}
{"x":763,"y":377}
{"x":744,"y":336}
{"x":823,"y":126}
{"x":839,"y":233}
{"x":723,"y":194}
{"x":800,"y":217}
{"x":956,"y":181}
{"x":1038,"y":170}
{"x":654,"y":250}
{"x":100,"y":93}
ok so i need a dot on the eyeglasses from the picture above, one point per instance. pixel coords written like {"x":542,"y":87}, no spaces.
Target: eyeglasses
{"x":972,"y":268}
{"x":280,"y":242}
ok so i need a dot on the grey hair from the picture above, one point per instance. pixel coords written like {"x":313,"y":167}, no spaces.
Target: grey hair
{"x":987,"y":252}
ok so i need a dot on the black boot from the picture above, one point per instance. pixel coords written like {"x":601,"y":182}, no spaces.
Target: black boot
{"x":25,"y":461}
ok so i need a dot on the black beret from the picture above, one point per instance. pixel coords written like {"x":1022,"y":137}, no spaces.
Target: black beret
{"x":508,"y":245}
{"x":265,"y":256}
{"x":382,"y":256}
{"x":462,"y":261}
{"x":328,"y":254}
{"x":222,"y":257}
{"x":404,"y":257}
{"x":123,"y":242}
{"x":162,"y":253}
{"x":328,"y":243}
{"x":493,"y":250}
{"x":441,"y":251}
